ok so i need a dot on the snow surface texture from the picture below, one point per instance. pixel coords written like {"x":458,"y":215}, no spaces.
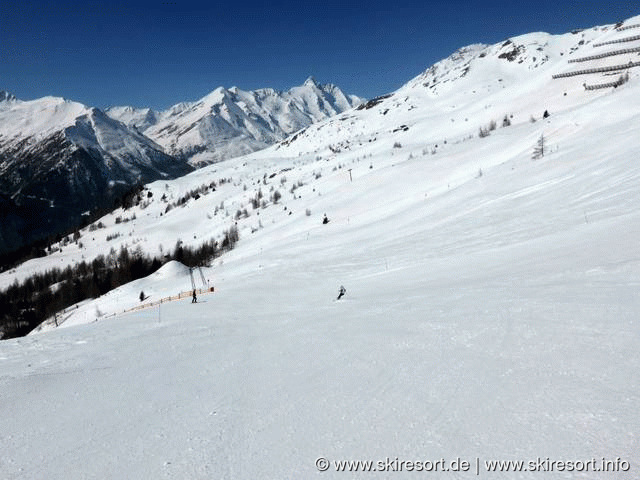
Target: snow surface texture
{"x":231,"y":122}
{"x":491,"y":308}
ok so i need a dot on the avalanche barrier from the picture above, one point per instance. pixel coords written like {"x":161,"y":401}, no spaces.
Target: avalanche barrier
{"x":604,"y":55}
{"x":597,"y":70}
{"x":620,"y":40}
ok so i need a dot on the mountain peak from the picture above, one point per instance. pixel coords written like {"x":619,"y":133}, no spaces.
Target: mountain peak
{"x":215,"y":96}
{"x":228,"y":123}
{"x":311,"y":82}
{"x":6,"y":96}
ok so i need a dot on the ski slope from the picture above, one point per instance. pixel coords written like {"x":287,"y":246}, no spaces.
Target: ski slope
{"x":491,"y":308}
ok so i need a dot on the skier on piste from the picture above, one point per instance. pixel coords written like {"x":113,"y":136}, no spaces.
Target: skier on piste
{"x":341,"y":292}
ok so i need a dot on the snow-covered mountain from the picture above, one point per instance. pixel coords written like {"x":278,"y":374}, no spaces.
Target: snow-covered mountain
{"x":437,"y":116}
{"x":232,"y":122}
{"x":6,"y":96}
{"x":492,"y":297}
{"x":140,"y":118}
{"x":518,"y":78}
{"x":59,"y":159}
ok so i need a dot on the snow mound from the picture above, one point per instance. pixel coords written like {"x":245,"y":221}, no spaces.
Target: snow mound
{"x":172,"y":269}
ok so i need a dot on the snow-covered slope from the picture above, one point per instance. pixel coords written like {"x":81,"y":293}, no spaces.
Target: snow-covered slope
{"x":478,"y":84}
{"x":60,"y":158}
{"x":491,"y":298}
{"x":231,"y":122}
{"x":140,"y":118}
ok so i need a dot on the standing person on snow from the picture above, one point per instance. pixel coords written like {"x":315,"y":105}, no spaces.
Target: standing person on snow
{"x":194,"y":299}
{"x":341,"y":292}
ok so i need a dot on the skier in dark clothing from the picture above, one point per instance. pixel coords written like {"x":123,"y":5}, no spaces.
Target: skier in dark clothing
{"x":341,"y":292}
{"x":325,"y":220}
{"x":194,"y":299}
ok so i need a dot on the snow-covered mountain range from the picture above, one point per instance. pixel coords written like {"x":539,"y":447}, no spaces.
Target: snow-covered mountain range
{"x":60,"y":159}
{"x":518,"y":78}
{"x":230,"y":122}
{"x":443,"y":110}
{"x":492,"y":294}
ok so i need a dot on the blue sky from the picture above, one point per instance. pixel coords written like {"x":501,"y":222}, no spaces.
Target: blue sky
{"x":160,"y":53}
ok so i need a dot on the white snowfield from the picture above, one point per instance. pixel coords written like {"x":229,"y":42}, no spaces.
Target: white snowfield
{"x":491,"y":310}
{"x":38,"y":118}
